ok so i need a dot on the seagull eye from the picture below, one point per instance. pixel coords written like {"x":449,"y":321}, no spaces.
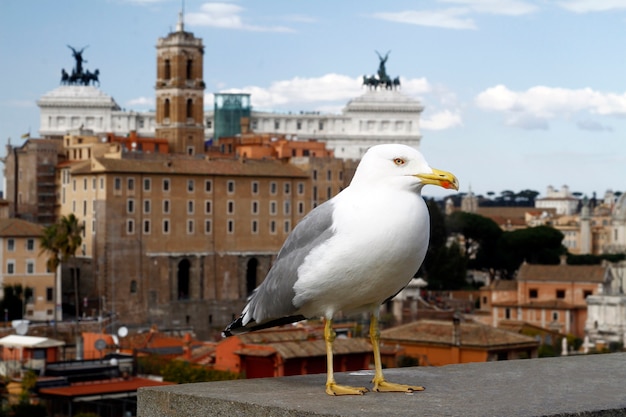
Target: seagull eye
{"x":399,"y":161}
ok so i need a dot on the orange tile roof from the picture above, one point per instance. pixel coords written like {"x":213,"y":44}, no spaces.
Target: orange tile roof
{"x":308,"y":348}
{"x":192,"y":166}
{"x":441,"y":332}
{"x":562,"y":273}
{"x":18,"y":227}
{"x":108,"y":386}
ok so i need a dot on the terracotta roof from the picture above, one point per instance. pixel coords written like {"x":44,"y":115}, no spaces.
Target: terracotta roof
{"x":108,"y":386}
{"x":518,"y":326}
{"x":441,"y":332}
{"x":18,"y":227}
{"x":273,"y":336}
{"x":309,"y":348}
{"x":562,"y":273}
{"x":195,"y":166}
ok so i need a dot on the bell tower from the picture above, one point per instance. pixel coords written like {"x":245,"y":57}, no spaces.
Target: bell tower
{"x":180,"y":91}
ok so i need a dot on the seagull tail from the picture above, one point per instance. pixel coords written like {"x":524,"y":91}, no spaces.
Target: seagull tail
{"x":237,"y":326}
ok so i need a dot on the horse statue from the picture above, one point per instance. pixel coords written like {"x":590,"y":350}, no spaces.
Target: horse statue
{"x":90,"y":77}
{"x":65,"y":77}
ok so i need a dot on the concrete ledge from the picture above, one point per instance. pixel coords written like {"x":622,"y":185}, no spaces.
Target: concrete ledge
{"x":583,"y":386}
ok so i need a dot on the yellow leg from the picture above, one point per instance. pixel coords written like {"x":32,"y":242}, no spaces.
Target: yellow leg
{"x":380,"y":384}
{"x":332,"y":388}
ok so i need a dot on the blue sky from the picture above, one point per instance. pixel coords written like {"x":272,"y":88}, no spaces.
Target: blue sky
{"x":518,"y":94}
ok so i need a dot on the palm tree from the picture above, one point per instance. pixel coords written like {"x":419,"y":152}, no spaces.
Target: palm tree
{"x":71,"y":239}
{"x":50,"y":244}
{"x":61,"y":240}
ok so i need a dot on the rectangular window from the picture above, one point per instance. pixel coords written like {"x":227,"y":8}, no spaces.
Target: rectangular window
{"x":130,"y":226}
{"x":287,"y":208}
{"x":273,"y":207}
{"x":230,"y":187}
{"x":84,"y":207}
{"x":131,"y":184}
{"x":117,"y":184}
{"x":254,"y":227}
{"x":300,"y":188}
{"x":255,"y":207}
{"x":230,"y":226}
{"x":207,"y":227}
{"x":230,"y":207}
{"x":10,"y":267}
{"x":166,"y":184}
{"x":273,"y":188}
{"x":300,"y":207}
{"x":147,"y":184}
{"x":30,"y":245}
{"x":560,"y":294}
{"x":191,"y":185}
{"x":207,"y":207}
{"x":166,"y":206}
{"x":146,"y":206}
{"x":273,"y":227}
{"x":287,"y":188}
{"x":287,"y":226}
{"x":102,"y":183}
{"x":190,"y":227}
{"x":93,"y":183}
{"x":11,"y":245}
{"x":30,"y":267}
{"x":255,"y":187}
{"x":146,"y":227}
{"x":166,"y":226}
{"x":84,"y":184}
{"x":208,"y":186}
{"x":130,"y":206}
{"x":533,"y":293}
{"x":190,"y":208}
{"x":49,"y":294}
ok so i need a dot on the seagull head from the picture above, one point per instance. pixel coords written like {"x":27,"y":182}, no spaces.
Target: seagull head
{"x":401,"y":165}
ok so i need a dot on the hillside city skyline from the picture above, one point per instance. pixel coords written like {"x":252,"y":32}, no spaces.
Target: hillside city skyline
{"x":539,"y":108}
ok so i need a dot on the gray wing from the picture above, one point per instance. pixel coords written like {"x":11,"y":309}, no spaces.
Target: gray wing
{"x":273,"y":299}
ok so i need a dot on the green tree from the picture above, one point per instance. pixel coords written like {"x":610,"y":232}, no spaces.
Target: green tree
{"x":71,"y":231}
{"x":61,"y":241}
{"x":50,"y":245}
{"x":536,"y":245}
{"x":480,"y":235}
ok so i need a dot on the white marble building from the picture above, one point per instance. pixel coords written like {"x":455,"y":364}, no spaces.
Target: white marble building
{"x":606,"y":311}
{"x":377,"y":116}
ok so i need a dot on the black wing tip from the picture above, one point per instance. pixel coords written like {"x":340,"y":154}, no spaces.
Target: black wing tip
{"x":237,"y":326}
{"x":232,"y":328}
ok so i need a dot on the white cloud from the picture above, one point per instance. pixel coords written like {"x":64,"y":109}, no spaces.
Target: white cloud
{"x":501,"y":7}
{"x":141,"y":102}
{"x":458,"y":17}
{"x":587,"y":6}
{"x":442,"y":120}
{"x":453,"y":18}
{"x":227,"y":16}
{"x":535,"y":107}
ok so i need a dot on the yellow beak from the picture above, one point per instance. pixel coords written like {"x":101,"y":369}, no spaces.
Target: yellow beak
{"x":441,"y":178}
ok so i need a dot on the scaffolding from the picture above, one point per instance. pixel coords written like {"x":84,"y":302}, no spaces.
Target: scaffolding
{"x":229,"y":109}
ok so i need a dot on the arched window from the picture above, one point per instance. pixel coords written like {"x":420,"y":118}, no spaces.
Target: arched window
{"x":251,"y":275}
{"x":166,"y":108}
{"x":168,"y":73}
{"x":133,"y":287}
{"x":183,"y":279}
{"x":189,"y":66}
{"x":189,"y":108}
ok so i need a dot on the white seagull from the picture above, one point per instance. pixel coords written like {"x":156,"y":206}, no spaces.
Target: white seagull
{"x":351,"y":254}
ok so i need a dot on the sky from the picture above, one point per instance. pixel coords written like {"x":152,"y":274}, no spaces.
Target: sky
{"x":518,"y":94}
